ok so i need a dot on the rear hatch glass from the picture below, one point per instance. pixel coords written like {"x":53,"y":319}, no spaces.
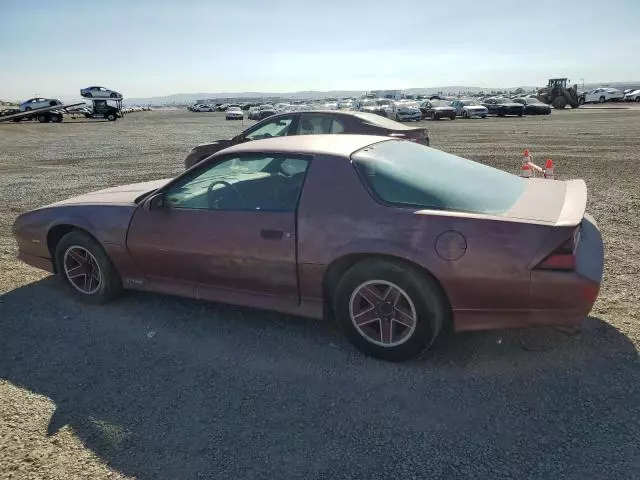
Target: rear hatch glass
{"x":413,"y":175}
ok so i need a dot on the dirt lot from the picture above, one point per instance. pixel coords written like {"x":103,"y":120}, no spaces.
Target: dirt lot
{"x":160,"y":387}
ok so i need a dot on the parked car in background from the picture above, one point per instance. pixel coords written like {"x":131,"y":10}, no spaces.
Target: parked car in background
{"x":603,"y":94}
{"x":345,"y":105}
{"x":533,"y":106}
{"x":265,"y":111}
{"x":234,"y":113}
{"x":386,"y":107}
{"x":316,"y":122}
{"x":468,"y":108}
{"x":392,"y":239}
{"x":405,"y":111}
{"x":437,"y":109}
{"x":503,"y":106}
{"x":203,"y":108}
{"x":252,"y":114}
{"x":38,"y":102}
{"x":632,"y":96}
{"x":370,"y":106}
{"x":99,"y":92}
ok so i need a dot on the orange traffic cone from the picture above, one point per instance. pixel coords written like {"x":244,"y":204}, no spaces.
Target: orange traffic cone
{"x":548,"y":169}
{"x":526,"y":170}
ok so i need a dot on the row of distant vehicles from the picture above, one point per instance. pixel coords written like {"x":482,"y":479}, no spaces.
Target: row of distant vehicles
{"x":399,"y":110}
{"x":419,"y":107}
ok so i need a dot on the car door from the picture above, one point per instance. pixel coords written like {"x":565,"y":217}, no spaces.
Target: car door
{"x":226,"y":226}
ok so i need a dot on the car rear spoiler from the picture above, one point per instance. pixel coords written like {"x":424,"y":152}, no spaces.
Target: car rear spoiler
{"x":575,"y":204}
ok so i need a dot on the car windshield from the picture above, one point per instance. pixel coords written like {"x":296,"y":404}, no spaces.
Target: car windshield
{"x":234,"y":109}
{"x":439,"y":103}
{"x":412,"y":175}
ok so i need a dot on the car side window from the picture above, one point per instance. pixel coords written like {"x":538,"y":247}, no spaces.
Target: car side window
{"x":311,"y":124}
{"x":251,"y":182}
{"x":275,"y":128}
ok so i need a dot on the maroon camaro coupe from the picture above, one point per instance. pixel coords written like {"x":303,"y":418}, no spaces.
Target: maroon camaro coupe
{"x":394,"y":239}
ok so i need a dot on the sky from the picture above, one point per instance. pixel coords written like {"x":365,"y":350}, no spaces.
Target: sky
{"x":145,"y":48}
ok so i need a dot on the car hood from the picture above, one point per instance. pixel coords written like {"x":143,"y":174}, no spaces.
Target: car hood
{"x":122,"y":195}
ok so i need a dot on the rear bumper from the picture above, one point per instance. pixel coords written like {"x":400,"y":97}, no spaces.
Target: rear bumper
{"x":45,"y":264}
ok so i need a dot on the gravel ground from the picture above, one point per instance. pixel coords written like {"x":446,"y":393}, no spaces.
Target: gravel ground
{"x":161,"y":387}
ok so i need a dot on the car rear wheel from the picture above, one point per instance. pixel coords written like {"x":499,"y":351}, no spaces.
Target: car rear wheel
{"x":601,"y":99}
{"x":434,"y":116}
{"x":483,"y":116}
{"x":111,"y":117}
{"x":452,"y":116}
{"x":389,"y":310}
{"x":42,"y":118}
{"x":86,"y":268}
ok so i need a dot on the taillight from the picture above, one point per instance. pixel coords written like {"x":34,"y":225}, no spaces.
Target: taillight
{"x":563,"y":257}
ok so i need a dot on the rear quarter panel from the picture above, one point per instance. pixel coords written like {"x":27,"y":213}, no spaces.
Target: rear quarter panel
{"x":337,"y":216}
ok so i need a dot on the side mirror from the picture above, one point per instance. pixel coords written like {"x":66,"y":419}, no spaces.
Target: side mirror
{"x":154,"y":202}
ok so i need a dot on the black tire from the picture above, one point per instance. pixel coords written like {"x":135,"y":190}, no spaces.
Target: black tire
{"x":502,"y":114}
{"x":423,"y":291}
{"x":57,"y":118}
{"x":637,"y":98}
{"x":114,"y":95}
{"x":520,"y":114}
{"x":581,"y":101}
{"x":110,"y":285}
{"x":483,"y":116}
{"x":111,"y":117}
{"x":43,"y":118}
{"x":452,"y":116}
{"x":601,"y":99}
{"x":434,"y":116}
{"x":26,"y":109}
{"x":465,"y":115}
{"x":89,"y":95}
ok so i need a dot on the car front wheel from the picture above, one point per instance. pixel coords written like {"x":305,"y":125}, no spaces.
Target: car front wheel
{"x":389,"y":310}
{"x":86,"y":268}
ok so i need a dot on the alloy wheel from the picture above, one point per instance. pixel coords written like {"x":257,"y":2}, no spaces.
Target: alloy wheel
{"x":82,"y":270}
{"x":382,"y":313}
